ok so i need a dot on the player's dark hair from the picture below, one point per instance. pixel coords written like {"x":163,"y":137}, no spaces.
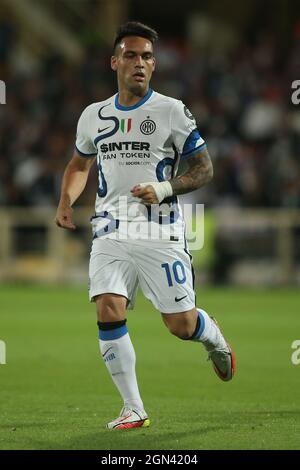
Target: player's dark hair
{"x":135,"y":28}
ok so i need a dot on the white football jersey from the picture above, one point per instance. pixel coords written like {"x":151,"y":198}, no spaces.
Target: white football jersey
{"x":137,"y":144}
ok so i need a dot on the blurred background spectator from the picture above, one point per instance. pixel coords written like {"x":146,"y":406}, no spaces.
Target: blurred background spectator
{"x":235,"y":79}
{"x":232,"y":63}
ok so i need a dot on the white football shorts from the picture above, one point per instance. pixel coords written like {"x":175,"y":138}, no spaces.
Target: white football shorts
{"x":165,"y":275}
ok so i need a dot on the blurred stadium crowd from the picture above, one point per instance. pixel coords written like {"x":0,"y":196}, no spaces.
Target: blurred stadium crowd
{"x":241,"y":100}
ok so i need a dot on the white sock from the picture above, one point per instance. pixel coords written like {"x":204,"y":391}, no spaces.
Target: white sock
{"x":206,"y":326}
{"x":119,"y":357}
{"x":208,"y":333}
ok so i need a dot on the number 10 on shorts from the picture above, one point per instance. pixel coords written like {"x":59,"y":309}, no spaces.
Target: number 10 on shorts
{"x":178,"y":273}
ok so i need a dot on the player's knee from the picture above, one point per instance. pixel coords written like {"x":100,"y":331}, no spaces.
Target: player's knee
{"x":183,"y":330}
{"x":110,"y":308}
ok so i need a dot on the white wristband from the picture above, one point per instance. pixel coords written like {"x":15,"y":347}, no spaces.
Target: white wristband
{"x":162,"y":190}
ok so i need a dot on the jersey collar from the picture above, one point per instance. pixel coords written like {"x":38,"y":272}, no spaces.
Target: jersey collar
{"x":137,"y":105}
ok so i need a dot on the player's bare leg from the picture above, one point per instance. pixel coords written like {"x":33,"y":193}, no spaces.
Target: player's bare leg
{"x":196,"y":325}
{"x":110,"y":307}
{"x":119,"y":356}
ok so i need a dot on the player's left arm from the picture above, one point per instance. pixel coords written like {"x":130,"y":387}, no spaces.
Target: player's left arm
{"x":200,"y":172}
{"x":192,"y":148}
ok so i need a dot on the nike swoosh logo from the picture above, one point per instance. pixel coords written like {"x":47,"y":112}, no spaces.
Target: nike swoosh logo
{"x":181,"y":298}
{"x":107,"y":351}
{"x":125,"y":417}
{"x":101,"y":130}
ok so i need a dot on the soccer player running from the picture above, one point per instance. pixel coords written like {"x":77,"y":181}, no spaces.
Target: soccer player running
{"x":137,"y":137}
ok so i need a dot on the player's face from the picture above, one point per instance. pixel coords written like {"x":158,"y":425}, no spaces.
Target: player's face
{"x":134,"y":64}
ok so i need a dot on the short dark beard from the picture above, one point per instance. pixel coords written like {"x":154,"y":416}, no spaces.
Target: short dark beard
{"x":138,"y":91}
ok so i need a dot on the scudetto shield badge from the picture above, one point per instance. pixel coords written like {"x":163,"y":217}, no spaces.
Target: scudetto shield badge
{"x":125,"y":125}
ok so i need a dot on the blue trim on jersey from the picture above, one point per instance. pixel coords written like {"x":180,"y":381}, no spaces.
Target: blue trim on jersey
{"x":176,"y":156}
{"x":196,"y":149}
{"x":161,"y":166}
{"x":172,"y":200}
{"x":190,"y":144}
{"x":111,"y":227}
{"x":137,"y":105}
{"x":102,"y":190}
{"x":107,"y":118}
{"x":107,"y":335}
{"x":86,"y":155}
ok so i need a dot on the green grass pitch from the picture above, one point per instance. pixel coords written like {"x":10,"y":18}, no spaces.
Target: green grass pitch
{"x":56,"y":392}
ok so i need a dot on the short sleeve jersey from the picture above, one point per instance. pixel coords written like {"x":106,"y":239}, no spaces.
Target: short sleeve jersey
{"x":137,"y":144}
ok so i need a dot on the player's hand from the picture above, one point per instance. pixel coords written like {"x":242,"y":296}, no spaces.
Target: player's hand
{"x":146,"y":194}
{"x":64,"y":218}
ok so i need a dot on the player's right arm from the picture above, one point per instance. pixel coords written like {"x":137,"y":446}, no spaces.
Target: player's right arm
{"x":77,"y":171}
{"x":73,"y":184}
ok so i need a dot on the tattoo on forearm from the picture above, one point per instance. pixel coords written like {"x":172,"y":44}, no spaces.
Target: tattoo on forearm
{"x":198,"y":174}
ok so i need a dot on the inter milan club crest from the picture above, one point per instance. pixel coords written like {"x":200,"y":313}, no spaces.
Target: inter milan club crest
{"x":148,"y":126}
{"x":125,"y":125}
